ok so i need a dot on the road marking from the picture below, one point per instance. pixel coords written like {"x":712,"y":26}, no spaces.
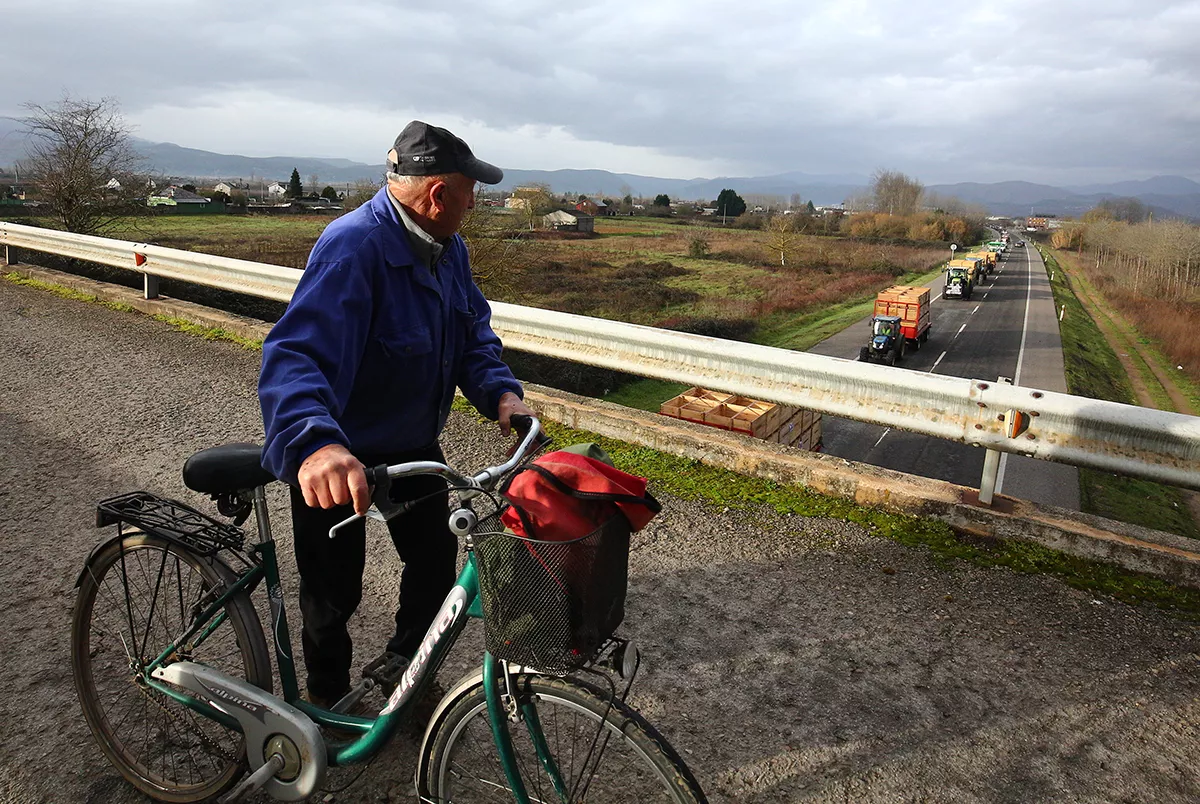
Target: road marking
{"x":885,"y":432}
{"x":960,"y":329}
{"x":1020,"y":363}
{"x":939,"y":360}
{"x":976,"y":310}
{"x":984,"y":296}
{"x":935,"y":298}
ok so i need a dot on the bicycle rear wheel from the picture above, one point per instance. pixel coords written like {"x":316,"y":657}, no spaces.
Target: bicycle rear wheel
{"x":604,"y":750}
{"x":136,"y":595}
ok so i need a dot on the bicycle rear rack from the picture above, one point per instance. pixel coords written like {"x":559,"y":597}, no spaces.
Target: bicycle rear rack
{"x":171,"y":520}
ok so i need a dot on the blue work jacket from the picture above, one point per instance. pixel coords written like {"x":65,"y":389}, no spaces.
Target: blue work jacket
{"x":370,"y":348}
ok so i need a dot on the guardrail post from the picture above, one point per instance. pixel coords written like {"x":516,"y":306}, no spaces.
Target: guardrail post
{"x":10,"y":256}
{"x":151,"y":286}
{"x":991,"y":467}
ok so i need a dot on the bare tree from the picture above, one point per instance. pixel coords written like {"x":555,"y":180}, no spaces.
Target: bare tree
{"x":496,"y":250}
{"x":360,"y":193}
{"x":782,"y":237}
{"x":894,"y":193}
{"x":1161,"y":260}
{"x":82,"y":159}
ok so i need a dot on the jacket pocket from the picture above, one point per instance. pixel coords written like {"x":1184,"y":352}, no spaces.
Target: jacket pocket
{"x":406,"y":343}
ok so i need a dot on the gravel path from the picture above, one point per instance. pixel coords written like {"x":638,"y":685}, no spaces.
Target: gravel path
{"x":788,"y":659}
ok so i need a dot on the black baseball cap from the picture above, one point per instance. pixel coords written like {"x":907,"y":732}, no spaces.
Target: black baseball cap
{"x":425,"y":150}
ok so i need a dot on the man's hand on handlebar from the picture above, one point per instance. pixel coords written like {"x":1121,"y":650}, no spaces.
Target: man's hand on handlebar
{"x":331,"y":476}
{"x":511,"y":405}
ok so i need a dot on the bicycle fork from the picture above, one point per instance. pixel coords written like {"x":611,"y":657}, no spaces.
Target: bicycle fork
{"x":504,"y":705}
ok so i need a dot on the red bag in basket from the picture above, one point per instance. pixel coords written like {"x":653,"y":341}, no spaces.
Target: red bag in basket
{"x":563,"y":496}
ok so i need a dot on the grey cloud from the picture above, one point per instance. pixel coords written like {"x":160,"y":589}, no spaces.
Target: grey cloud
{"x":981,"y":91}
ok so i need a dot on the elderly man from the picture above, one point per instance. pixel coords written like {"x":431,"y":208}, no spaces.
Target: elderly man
{"x":361,"y":370}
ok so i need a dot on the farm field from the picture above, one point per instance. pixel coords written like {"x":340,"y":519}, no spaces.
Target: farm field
{"x":694,"y":277}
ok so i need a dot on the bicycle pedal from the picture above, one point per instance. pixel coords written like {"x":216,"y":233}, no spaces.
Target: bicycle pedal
{"x":386,"y":670}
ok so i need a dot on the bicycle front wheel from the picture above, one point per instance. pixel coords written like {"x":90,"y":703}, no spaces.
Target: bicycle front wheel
{"x":136,"y":595}
{"x":604,"y":750}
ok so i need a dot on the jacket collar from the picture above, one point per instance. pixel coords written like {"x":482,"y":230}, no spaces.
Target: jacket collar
{"x":398,"y":247}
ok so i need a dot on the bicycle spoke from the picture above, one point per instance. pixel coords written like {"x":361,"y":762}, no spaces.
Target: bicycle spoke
{"x":154,"y":598}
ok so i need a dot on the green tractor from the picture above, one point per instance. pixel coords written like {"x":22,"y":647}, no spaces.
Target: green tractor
{"x":958,"y":284}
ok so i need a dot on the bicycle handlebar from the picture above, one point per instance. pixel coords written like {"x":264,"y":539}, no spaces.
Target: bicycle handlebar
{"x":380,"y":477}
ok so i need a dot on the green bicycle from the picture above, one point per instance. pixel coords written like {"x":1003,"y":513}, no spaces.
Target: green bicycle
{"x":175,"y":680}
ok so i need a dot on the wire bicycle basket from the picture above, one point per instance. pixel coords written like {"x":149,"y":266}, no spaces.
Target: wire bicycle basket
{"x":551,"y":605}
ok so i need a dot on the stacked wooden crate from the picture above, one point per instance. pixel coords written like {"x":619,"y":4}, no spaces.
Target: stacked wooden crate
{"x":909,"y":303}
{"x":766,"y":420}
{"x":802,"y":431}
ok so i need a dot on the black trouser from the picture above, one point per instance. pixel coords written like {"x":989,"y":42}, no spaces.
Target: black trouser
{"x":331,"y":572}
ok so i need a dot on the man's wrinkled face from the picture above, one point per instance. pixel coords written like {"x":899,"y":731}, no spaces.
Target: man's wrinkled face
{"x":455,"y":197}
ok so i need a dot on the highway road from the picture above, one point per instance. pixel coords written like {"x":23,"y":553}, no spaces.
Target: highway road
{"x":788,"y":658}
{"x":1009,"y":328}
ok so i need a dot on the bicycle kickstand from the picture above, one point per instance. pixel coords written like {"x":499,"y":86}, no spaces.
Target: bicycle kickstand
{"x":255,"y":780}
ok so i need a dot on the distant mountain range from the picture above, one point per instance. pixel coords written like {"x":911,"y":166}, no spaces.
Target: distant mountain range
{"x":1168,"y":196}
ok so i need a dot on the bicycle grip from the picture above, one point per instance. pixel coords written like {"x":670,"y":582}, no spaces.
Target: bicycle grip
{"x":377,"y":476}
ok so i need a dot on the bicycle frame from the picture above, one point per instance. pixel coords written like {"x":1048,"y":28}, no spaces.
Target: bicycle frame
{"x":460,"y":604}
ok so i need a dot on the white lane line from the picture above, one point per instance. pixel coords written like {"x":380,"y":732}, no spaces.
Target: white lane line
{"x":935,"y":298}
{"x":885,"y":432}
{"x":939,"y":360}
{"x":976,"y":310}
{"x":984,"y":296}
{"x":1020,"y":363}
{"x":960,"y":329}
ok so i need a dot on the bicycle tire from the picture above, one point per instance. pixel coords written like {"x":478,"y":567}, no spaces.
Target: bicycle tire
{"x":163,"y":748}
{"x":634,"y":763}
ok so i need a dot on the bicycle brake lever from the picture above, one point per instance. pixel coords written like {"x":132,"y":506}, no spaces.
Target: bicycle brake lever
{"x":333,"y":531}
{"x":380,"y":512}
{"x":382,"y":508}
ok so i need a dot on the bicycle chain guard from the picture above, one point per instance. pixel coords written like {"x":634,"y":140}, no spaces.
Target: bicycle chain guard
{"x":261,"y":716}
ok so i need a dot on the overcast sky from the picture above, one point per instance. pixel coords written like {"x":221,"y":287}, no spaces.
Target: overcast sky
{"x":1054,"y":92}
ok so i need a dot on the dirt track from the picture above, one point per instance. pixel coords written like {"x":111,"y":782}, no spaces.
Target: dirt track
{"x":789,"y":659}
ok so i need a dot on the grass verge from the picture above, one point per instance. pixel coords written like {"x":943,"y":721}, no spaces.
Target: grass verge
{"x":179,"y":324}
{"x":1093,"y":370}
{"x":1123,"y":338}
{"x":66,"y":293}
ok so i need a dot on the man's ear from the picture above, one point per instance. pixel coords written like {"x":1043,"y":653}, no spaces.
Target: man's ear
{"x":437,"y":191}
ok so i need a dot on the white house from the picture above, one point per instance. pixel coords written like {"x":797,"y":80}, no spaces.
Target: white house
{"x":277,"y":189}
{"x":223,"y":187}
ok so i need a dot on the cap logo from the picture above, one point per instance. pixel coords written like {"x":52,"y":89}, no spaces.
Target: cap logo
{"x":424,"y":158}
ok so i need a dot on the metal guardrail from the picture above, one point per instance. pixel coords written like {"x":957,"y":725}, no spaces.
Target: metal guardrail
{"x":1152,"y":444}
{"x":240,"y":276}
